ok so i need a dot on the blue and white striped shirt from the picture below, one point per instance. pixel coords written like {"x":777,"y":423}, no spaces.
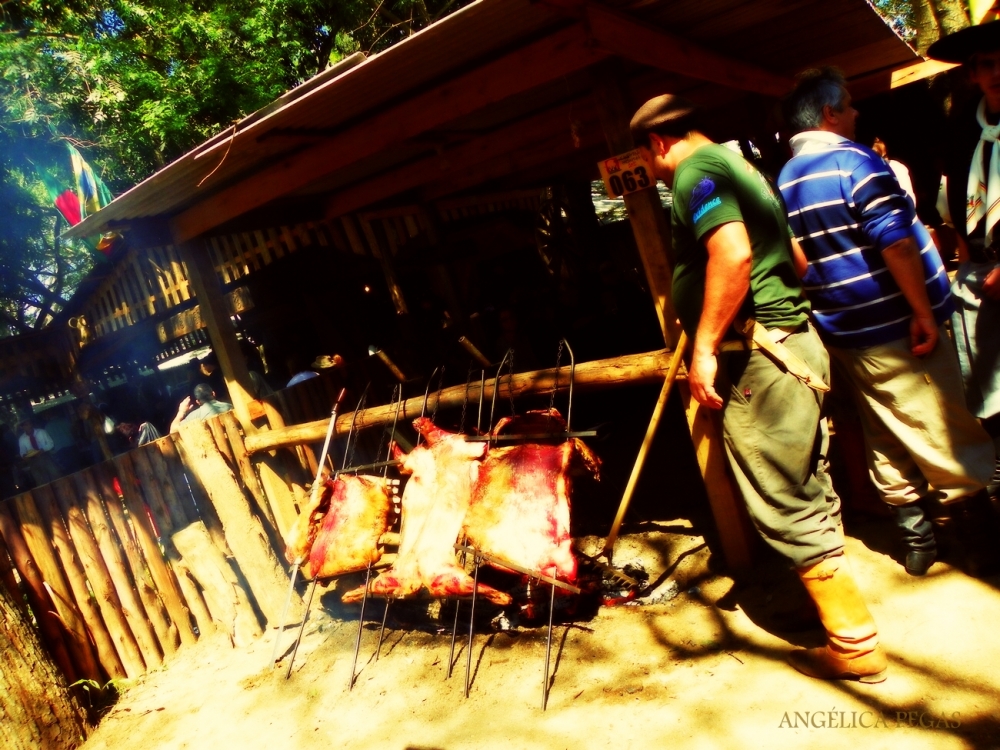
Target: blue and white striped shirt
{"x":845,"y":207}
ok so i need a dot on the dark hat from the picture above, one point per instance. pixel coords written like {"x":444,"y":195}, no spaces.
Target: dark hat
{"x":960,"y":46}
{"x":658,"y":112}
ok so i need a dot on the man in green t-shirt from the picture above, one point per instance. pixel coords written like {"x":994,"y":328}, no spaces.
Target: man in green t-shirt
{"x":736,"y":262}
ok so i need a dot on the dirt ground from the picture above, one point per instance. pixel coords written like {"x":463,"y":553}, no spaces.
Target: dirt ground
{"x":692,"y":666}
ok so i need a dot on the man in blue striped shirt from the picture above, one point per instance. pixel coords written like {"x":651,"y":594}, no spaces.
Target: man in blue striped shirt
{"x":880,"y":296}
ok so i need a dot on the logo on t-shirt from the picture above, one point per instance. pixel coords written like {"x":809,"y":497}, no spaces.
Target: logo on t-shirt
{"x":714,"y":203}
{"x":701,"y":191}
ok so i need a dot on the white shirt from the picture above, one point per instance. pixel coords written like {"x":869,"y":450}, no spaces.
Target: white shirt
{"x":41,"y":437}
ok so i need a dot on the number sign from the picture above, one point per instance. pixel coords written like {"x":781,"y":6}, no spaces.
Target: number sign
{"x":626,"y":173}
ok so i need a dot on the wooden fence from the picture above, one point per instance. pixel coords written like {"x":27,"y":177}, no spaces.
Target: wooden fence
{"x":125,"y":562}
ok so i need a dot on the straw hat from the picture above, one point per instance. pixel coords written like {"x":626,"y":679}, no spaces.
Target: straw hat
{"x":326,"y":361}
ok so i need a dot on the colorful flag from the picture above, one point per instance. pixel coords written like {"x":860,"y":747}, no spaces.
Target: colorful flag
{"x":86,"y":196}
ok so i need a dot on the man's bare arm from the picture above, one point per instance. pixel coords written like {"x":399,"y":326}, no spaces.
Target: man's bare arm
{"x":182,"y":411}
{"x":902,"y":258}
{"x":727,"y":281}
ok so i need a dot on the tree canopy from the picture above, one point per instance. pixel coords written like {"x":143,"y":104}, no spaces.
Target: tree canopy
{"x":135,"y":85}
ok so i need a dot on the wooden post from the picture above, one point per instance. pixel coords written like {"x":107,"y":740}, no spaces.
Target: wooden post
{"x":40,"y":545}
{"x":227,"y":601}
{"x":9,"y":579}
{"x":101,"y":638}
{"x":111,"y":610}
{"x":205,"y":283}
{"x":244,"y":532}
{"x":249,"y":479}
{"x":652,"y":236}
{"x":53,"y":634}
{"x":166,"y":632}
{"x":162,"y":576}
{"x":117,"y":567}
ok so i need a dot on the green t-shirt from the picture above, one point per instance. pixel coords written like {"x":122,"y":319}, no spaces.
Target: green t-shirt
{"x":715,"y":186}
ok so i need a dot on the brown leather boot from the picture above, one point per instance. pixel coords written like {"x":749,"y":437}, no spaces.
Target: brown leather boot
{"x":852,"y":651}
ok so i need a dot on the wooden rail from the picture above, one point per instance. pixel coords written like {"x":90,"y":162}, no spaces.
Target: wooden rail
{"x":630,"y":369}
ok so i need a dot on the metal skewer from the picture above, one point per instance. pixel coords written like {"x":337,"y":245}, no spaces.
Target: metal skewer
{"x":548,"y":650}
{"x":361,"y":623}
{"x":472,"y":623}
{"x":302,"y":627}
{"x":454,"y":627}
{"x":381,"y":631}
{"x":300,"y":560}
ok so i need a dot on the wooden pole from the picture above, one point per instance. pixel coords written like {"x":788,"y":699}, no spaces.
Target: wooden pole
{"x":247,"y":475}
{"x":152,"y":492}
{"x":170,"y":470}
{"x":166,"y":632}
{"x":33,"y":527}
{"x":76,"y":576}
{"x":736,"y":532}
{"x":9,"y":579}
{"x":244,"y":533}
{"x":205,"y":283}
{"x":110,"y":606}
{"x":227,"y":601}
{"x":117,"y":567}
{"x":162,"y":576}
{"x":169,"y":518}
{"x":53,"y":634}
{"x":630,"y":369}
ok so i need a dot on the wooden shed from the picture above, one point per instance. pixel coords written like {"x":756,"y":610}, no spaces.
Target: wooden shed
{"x":386,"y":165}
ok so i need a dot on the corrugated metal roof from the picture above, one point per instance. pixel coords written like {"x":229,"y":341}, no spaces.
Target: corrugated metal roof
{"x":781,"y":36}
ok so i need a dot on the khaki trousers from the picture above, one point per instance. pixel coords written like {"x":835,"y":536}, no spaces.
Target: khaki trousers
{"x":922,"y":440}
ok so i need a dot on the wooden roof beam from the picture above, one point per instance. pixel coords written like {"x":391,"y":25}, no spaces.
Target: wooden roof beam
{"x":650,"y":46}
{"x":510,"y":137}
{"x":545,"y":60}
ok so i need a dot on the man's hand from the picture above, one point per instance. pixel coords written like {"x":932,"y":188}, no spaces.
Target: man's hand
{"x":902,"y":258}
{"x":701,"y":379}
{"x":991,"y":287}
{"x":185,"y":406}
{"x":923,"y":335}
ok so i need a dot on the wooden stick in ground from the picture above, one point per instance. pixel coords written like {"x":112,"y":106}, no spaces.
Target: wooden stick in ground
{"x":226,"y":599}
{"x":33,"y":527}
{"x":9,"y":579}
{"x":99,"y":578}
{"x":118,"y":569}
{"x":166,"y":631}
{"x":66,"y":551}
{"x":631,"y":369}
{"x":244,"y":532}
{"x":161,"y":573}
{"x":640,"y":459}
{"x":53,"y":634}
{"x":247,"y":475}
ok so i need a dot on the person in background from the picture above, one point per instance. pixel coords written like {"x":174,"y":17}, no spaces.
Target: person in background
{"x":35,"y":447}
{"x":735,"y":266}
{"x":899,"y":169}
{"x":880,"y":297}
{"x":204,"y":406}
{"x":972,"y":195}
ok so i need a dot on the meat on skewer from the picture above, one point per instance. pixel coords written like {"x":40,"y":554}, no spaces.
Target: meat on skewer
{"x":520,"y":509}
{"x":434,"y":502}
{"x":340,"y":533}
